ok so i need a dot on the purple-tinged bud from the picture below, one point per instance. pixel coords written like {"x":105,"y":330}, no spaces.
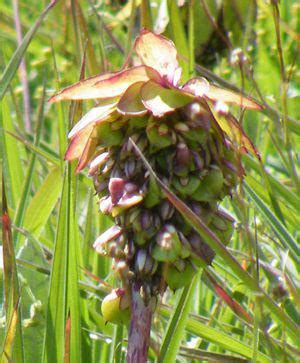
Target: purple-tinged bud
{"x":154,"y":267}
{"x":140,"y":261}
{"x":156,"y":222}
{"x":105,"y":205}
{"x":204,"y":213}
{"x":201,"y":249}
{"x":111,"y":234}
{"x":166,"y":210}
{"x":116,"y":189}
{"x":146,"y":219}
{"x":179,"y":264}
{"x":131,"y":249}
{"x":181,"y":127}
{"x":185,"y":246}
{"x":130,"y":188}
{"x":130,"y":168}
{"x":99,"y":185}
{"x":183,"y":154}
{"x":107,"y":167}
{"x":143,"y":263}
{"x":168,"y":245}
{"x":97,"y":162}
{"x":163,"y":130}
{"x":199,"y":161}
{"x":126,"y":202}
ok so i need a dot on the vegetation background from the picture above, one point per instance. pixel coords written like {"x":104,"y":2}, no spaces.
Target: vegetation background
{"x":51,"y":281}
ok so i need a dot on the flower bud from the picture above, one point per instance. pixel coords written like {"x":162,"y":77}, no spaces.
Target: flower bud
{"x":210,"y":186}
{"x":168,"y":245}
{"x":186,"y":186}
{"x":166,"y":210}
{"x":203,"y":254}
{"x":177,"y":279}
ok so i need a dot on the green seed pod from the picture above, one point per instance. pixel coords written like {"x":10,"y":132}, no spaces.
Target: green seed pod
{"x":168,"y":245}
{"x":201,"y":252}
{"x":222,"y":226}
{"x":153,"y":196}
{"x":115,"y":307}
{"x":157,"y":136}
{"x":210,"y":186}
{"x":177,"y":279}
{"x":186,"y":187}
{"x":197,"y":135}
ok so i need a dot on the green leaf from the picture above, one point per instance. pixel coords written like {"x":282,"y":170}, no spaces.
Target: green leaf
{"x":212,"y":335}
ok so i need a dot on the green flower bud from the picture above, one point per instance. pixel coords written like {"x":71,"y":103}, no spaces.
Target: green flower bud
{"x":222,"y":226}
{"x":187,"y":186}
{"x":210,"y":187}
{"x":153,"y":195}
{"x":177,"y":279}
{"x":168,"y":245}
{"x":158,"y":136}
{"x":144,"y":263}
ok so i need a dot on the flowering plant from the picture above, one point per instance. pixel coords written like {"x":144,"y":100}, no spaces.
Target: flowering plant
{"x":192,"y":142}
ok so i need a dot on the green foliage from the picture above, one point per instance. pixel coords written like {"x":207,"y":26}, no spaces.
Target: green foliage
{"x":61,"y":280}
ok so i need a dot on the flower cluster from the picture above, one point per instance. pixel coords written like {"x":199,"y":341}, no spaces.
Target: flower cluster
{"x":190,"y":139}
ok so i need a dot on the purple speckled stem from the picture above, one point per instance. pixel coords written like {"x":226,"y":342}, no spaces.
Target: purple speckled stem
{"x":140,"y":326}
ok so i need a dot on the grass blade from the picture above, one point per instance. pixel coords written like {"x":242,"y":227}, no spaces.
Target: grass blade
{"x":12,"y":165}
{"x":176,"y":326}
{"x":46,"y":196}
{"x":13,"y":348}
{"x":57,"y":301}
{"x":287,"y":240}
{"x":18,"y":220}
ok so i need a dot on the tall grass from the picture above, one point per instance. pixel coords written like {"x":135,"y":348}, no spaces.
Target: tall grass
{"x":244,"y":307}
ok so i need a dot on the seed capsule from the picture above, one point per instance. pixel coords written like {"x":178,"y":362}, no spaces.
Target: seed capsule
{"x":222,"y":226}
{"x":210,"y":187}
{"x":168,"y":245}
{"x":153,"y":195}
{"x":177,"y":279}
{"x":115,"y":307}
{"x":186,"y":186}
{"x":111,"y":234}
{"x":202,"y":253}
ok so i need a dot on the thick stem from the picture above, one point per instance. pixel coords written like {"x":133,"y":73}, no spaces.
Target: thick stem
{"x":140,"y":326}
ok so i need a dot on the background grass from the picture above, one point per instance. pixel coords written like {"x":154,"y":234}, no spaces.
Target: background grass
{"x":52,"y":282}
